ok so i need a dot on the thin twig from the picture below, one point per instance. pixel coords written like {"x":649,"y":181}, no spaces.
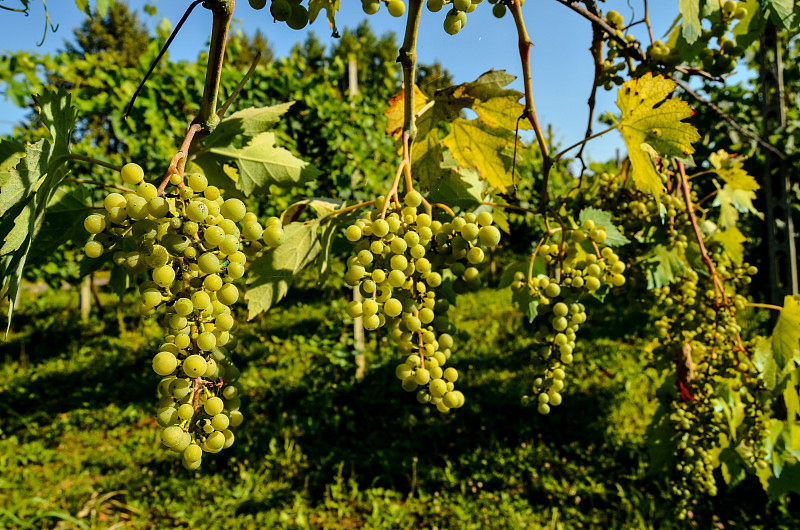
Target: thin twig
{"x":94,"y":161}
{"x":178,"y":161}
{"x":239,"y":87}
{"x":582,"y":142}
{"x":98,"y":184}
{"x":160,"y":55}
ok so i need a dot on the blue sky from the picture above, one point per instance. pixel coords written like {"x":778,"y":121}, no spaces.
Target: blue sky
{"x":560,"y":60}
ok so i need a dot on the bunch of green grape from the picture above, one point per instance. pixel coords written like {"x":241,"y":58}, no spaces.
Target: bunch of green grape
{"x":575,"y":266}
{"x":290,"y":11}
{"x":456,"y":17}
{"x":399,"y":265}
{"x":396,"y":7}
{"x":193,"y":245}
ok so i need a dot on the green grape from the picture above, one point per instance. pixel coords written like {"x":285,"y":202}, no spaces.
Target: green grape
{"x":164,"y":276}
{"x":489,"y":236}
{"x":194,"y":366}
{"x":396,"y":8}
{"x":164,"y":363}
{"x":171,"y":435}
{"x":192,"y":453}
{"x":434,"y":6}
{"x":252,"y":230}
{"x":228,"y":295}
{"x":146,"y":191}
{"x":258,"y":4}
{"x":213,"y":406}
{"x":197,"y":182}
{"x":299,"y":17}
{"x":94,"y":223}
{"x":274,"y":236}
{"x":215,"y":442}
{"x":220,"y":422}
{"x":197,"y":211}
{"x":208,"y":263}
{"x":185,"y":411}
{"x":132,"y":174}
{"x":206,"y":341}
{"x":369,"y":7}
{"x":93,"y":249}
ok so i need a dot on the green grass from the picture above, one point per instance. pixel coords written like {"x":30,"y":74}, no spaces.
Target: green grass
{"x":79,"y":446}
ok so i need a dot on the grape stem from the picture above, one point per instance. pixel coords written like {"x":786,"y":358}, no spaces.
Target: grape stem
{"x":525,"y":46}
{"x":346,"y":210}
{"x":510,"y":207}
{"x":533,"y":257}
{"x":196,"y":397}
{"x":94,"y":161}
{"x":407,"y":57}
{"x":240,"y":86}
{"x":580,"y":143}
{"x":98,"y":184}
{"x":445,"y":208}
{"x":765,"y":306}
{"x":178,"y":162}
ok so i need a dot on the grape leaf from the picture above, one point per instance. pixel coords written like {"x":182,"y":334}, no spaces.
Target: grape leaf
{"x":765,"y":362}
{"x":63,"y":221}
{"x":394,"y":114}
{"x":322,"y":207}
{"x":651,"y":125}
{"x":502,"y":112}
{"x":477,"y":146}
{"x":748,"y":29}
{"x":261,"y":163}
{"x":733,"y":202}
{"x":527,"y":303}
{"x":83,"y":5}
{"x":248,"y":122}
{"x":662,"y":266}
{"x":271,"y":275}
{"x":730,"y":170}
{"x":786,"y":335}
{"x":330,"y":6}
{"x":732,"y":240}
{"x":781,"y":11}
{"x":690,"y":25}
{"x":103,"y":6}
{"x":600,"y":218}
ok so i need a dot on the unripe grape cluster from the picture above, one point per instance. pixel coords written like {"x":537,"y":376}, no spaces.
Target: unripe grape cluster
{"x":575,"y":267}
{"x":400,"y":263}
{"x":396,"y":8}
{"x":292,"y":12}
{"x":193,"y":244}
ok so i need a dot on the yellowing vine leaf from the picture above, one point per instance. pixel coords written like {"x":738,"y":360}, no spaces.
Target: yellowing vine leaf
{"x":732,"y":202}
{"x":394,"y":114}
{"x":786,"y":335}
{"x":651,"y":126}
{"x":477,"y":146}
{"x":330,"y":6}
{"x":730,"y":170}
{"x":732,"y":240}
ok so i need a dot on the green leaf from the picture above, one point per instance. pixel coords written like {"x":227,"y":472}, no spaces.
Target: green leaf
{"x":103,"y":6}
{"x":600,"y":218}
{"x":331,"y":6}
{"x":765,"y":362}
{"x":83,"y":5}
{"x":477,"y":146}
{"x":651,"y":125}
{"x":459,"y":188}
{"x":690,"y":26}
{"x":261,"y":163}
{"x":11,"y":153}
{"x":780,"y":11}
{"x":733,"y":471}
{"x":748,"y":29}
{"x":732,"y":240}
{"x":786,"y":335}
{"x":58,"y":115}
{"x":272,"y":274}
{"x":247,"y":122}
{"x":526,"y":303}
{"x":791,"y":401}
{"x":730,"y":170}
{"x":322,"y":207}
{"x":63,"y":221}
{"x":733,"y":202}
{"x":662,"y":265}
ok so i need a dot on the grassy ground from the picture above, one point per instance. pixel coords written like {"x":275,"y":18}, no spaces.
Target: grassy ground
{"x":79,"y":446}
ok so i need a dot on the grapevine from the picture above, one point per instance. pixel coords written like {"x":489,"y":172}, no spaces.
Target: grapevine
{"x":636,"y":229}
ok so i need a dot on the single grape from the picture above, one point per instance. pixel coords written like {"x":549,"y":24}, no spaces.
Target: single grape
{"x":164,"y":363}
{"x":258,"y":4}
{"x":132,"y":174}
{"x":396,"y":8}
{"x":93,"y":249}
{"x":194,"y":366}
{"x":213,"y":406}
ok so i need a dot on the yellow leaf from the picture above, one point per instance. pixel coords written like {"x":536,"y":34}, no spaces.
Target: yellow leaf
{"x":732,"y":240}
{"x":651,"y":126}
{"x":394,"y":114}
{"x":502,"y":111}
{"x":730,"y":170}
{"x":476,"y":146}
